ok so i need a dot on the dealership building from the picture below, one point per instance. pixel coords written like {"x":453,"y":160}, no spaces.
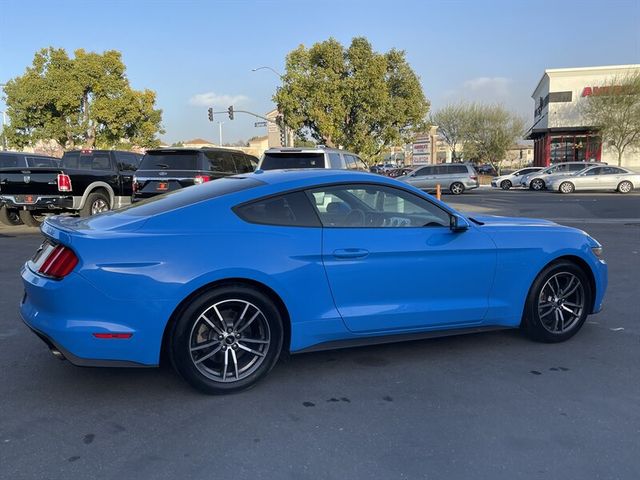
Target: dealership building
{"x":558,"y":131}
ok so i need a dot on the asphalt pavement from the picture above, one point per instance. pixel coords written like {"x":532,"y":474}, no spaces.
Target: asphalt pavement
{"x":492,"y":405}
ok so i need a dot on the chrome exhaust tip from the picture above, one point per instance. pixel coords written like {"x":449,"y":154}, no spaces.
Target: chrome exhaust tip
{"x":58,"y":354}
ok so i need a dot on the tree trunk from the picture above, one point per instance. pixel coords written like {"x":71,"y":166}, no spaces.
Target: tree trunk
{"x":620,"y":153}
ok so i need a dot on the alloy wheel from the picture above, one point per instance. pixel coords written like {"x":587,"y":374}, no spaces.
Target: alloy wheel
{"x":537,"y":184}
{"x":99,"y":206}
{"x":566,"y":187}
{"x":625,"y":187}
{"x":505,"y":185}
{"x":561,"y":302}
{"x":456,"y":188}
{"x":230,"y":340}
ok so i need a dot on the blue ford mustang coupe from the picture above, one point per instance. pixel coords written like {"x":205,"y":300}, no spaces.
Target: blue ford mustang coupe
{"x":222,"y":277}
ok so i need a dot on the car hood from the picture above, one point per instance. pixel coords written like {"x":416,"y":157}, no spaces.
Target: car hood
{"x":495,"y":220}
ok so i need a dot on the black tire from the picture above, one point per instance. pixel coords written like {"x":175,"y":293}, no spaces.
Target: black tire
{"x":9,"y":217}
{"x":566,"y":187}
{"x":94,"y":204}
{"x":506,"y":184}
{"x":30,"y":219}
{"x":456,"y":188}
{"x":190,"y":325}
{"x":625,"y":187}
{"x":537,"y":184}
{"x":535,"y":318}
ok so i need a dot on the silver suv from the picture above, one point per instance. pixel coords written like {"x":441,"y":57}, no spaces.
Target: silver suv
{"x":454,"y":177}
{"x":538,"y":180}
{"x":314,"y":157}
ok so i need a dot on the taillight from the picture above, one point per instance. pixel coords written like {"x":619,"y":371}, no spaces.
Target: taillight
{"x":59,"y":263}
{"x":64,"y":182}
{"x":201,"y":179}
{"x":474,"y":177}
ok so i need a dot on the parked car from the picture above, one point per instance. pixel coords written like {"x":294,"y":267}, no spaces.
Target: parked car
{"x":537,"y":180}
{"x":219,"y":276}
{"x":505,"y":182}
{"x":319,"y":157}
{"x":167,"y":169}
{"x":454,"y":177}
{"x":595,"y":178}
{"x":398,"y":172}
{"x":86,"y":182}
{"x":22,"y":160}
{"x":486,"y":169}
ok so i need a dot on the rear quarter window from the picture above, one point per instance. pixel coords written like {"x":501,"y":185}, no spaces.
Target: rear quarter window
{"x":292,"y":209}
{"x":41,"y":162}
{"x":87,"y":161}
{"x":8,"y":160}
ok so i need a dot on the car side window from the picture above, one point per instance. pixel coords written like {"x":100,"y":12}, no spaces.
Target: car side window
{"x":221,"y":162}
{"x":574,"y":167}
{"x":127,"y":161}
{"x":425,"y":171}
{"x":612,"y":171}
{"x":351,"y":162}
{"x":292,"y":210}
{"x":375,"y":206}
{"x":360,"y":165}
{"x":335,"y":160}
{"x":594,"y":171}
{"x":99,"y":161}
{"x":242,"y":164}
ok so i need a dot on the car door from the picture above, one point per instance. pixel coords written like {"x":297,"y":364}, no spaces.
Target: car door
{"x":590,"y":180}
{"x":127,"y":166}
{"x":610,"y":177}
{"x":422,"y":177}
{"x":393,"y":263}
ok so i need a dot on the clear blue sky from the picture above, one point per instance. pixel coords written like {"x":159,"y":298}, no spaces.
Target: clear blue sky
{"x":192,"y":50}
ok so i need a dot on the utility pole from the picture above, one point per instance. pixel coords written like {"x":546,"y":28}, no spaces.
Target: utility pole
{"x":220,"y":132}
{"x":4,"y":124}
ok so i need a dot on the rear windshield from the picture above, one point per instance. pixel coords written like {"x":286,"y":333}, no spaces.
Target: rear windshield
{"x":170,"y":161}
{"x":274,"y":161}
{"x":87,"y":161}
{"x":187,"y":196}
{"x":41,"y":162}
{"x":8,"y":161}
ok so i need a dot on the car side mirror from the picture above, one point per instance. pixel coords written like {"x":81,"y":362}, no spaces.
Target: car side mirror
{"x":458,"y":223}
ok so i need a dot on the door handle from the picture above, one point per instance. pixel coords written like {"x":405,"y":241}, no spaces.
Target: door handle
{"x":350,"y":253}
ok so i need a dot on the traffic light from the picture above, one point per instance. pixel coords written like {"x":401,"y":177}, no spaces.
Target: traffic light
{"x":283,"y":138}
{"x":230,"y":112}
{"x":210,"y":114}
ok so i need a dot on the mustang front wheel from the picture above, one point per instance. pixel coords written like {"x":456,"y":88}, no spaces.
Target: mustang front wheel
{"x":227,"y":339}
{"x":558,"y":303}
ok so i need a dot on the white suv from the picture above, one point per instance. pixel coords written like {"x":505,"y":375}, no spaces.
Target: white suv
{"x":315,"y":157}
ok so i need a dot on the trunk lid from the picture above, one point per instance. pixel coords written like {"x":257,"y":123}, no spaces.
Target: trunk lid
{"x":29,"y":181}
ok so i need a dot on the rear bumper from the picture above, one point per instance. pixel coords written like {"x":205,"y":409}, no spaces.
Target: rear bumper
{"x":66,"y":314}
{"x":37,"y":202}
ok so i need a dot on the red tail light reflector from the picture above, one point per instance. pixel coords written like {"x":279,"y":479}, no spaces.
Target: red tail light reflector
{"x":113,"y":335}
{"x":60,"y":262}
{"x":201,"y":179}
{"x":64,"y":182}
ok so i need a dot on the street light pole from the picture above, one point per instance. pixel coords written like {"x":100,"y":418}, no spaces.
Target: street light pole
{"x":268,"y":68}
{"x":220,"y":132}
{"x":4,"y":124}
{"x":284,"y":128}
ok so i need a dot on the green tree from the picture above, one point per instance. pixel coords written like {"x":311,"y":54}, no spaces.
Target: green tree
{"x":488,"y":132}
{"x":614,"y":108}
{"x":452,"y":120}
{"x":85,"y":101}
{"x":351,"y":97}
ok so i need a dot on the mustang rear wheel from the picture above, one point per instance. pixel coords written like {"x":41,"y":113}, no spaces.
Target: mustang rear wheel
{"x":9,"y":217}
{"x":227,"y":339}
{"x":558,"y":303}
{"x":505,"y":184}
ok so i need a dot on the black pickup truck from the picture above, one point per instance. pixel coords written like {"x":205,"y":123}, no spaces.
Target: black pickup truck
{"x":86,"y":182}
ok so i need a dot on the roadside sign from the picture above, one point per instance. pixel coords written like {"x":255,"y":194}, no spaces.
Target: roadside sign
{"x":260,"y":124}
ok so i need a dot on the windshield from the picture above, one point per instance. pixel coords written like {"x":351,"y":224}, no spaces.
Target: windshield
{"x":285,"y":160}
{"x":170,"y":161}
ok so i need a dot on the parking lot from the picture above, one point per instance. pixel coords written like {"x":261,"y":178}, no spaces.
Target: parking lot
{"x":492,"y":405}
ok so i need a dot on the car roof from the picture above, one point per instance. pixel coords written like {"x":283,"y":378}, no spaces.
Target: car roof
{"x":27,"y":154}
{"x":318,"y":149}
{"x":310,"y":176}
{"x":188,"y":149}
